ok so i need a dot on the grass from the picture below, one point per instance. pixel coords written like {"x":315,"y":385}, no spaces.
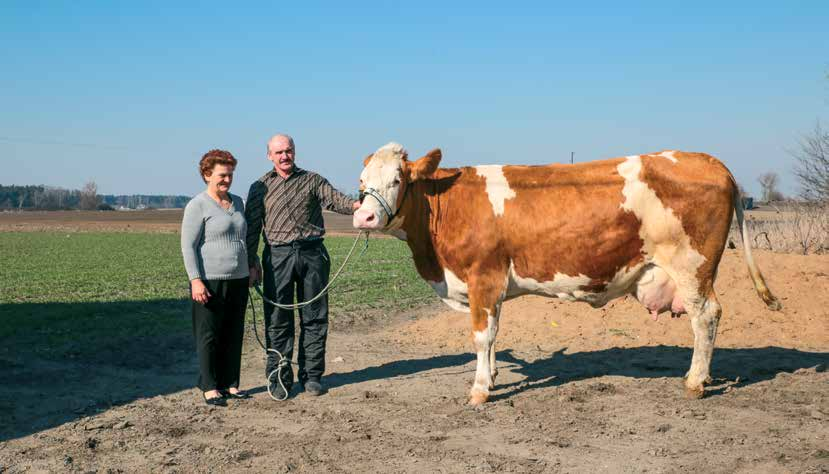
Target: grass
{"x":63,"y":292}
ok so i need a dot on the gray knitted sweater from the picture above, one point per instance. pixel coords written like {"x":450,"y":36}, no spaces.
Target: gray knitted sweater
{"x":213,"y":239}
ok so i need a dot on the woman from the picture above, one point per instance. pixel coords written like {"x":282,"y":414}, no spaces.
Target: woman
{"x":213,"y":245}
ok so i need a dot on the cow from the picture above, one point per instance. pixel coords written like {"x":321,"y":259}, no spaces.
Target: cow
{"x":653,"y":226}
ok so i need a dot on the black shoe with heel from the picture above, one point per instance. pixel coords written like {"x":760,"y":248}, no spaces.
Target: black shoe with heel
{"x":215,"y":401}
{"x":240,"y":395}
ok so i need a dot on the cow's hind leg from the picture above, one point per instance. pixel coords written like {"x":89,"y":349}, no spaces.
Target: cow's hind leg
{"x":493,"y":369}
{"x":484,"y":329}
{"x":705,"y":316}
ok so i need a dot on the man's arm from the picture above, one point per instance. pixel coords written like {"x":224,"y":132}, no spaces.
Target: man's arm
{"x":334,"y":200}
{"x":255,"y":216}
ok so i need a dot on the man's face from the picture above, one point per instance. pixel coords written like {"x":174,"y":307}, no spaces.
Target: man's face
{"x":281,"y":154}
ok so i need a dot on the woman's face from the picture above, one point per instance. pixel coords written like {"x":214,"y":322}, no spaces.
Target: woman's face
{"x":220,"y":179}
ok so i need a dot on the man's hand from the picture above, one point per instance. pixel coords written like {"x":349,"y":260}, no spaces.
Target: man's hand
{"x":198,"y":291}
{"x":255,"y":275}
{"x":355,"y":205}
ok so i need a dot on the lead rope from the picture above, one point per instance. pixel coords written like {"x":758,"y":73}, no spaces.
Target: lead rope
{"x":324,"y":290}
{"x":282,"y":361}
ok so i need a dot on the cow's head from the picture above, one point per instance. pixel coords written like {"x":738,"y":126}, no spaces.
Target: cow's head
{"x":384,"y":181}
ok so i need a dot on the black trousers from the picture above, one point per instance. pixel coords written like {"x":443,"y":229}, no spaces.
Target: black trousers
{"x":218,"y":327}
{"x":299,"y":269}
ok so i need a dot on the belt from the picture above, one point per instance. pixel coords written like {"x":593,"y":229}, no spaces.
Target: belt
{"x":299,"y":244}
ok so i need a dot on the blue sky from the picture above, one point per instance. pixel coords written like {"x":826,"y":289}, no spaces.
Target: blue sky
{"x":131,"y":94}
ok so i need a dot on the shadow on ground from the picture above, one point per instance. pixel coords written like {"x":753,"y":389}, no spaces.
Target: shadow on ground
{"x":63,"y":361}
{"x":751,"y":365}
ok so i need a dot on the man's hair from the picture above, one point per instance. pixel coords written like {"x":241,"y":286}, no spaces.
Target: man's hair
{"x":283,"y":135}
{"x":213,"y":158}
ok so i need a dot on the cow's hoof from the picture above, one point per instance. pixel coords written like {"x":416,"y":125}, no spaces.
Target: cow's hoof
{"x":478,"y":398}
{"x":694,"y":393}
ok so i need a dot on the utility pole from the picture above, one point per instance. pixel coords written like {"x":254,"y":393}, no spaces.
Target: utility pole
{"x":571,"y":156}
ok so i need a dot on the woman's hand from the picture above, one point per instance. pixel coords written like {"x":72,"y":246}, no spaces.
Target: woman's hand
{"x":198,"y":291}
{"x":255,"y":275}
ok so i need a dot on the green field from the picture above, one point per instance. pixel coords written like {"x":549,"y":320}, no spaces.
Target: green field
{"x":61,"y":292}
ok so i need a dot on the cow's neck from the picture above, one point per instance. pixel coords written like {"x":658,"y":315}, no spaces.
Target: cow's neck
{"x":421,"y":212}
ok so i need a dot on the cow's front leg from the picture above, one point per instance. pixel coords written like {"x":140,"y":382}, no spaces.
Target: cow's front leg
{"x":484,"y":329}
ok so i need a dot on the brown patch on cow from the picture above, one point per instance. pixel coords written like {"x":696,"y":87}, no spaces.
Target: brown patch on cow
{"x":425,"y":166}
{"x":710,"y":182}
{"x":479,"y":319}
{"x":572,"y":215}
{"x":595,"y":286}
{"x":420,"y":212}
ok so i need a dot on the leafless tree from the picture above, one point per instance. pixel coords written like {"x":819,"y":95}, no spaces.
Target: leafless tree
{"x":89,"y":196}
{"x":812,"y":165}
{"x":742,"y":191}
{"x":768,"y":183}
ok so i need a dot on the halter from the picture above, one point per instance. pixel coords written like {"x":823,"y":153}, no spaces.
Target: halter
{"x":383,"y":203}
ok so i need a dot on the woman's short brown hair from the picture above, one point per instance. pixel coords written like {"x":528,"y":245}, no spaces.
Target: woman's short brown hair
{"x":213,"y":158}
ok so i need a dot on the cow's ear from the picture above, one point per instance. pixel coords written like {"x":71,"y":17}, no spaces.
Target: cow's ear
{"x":368,"y":158}
{"x":424,"y":167}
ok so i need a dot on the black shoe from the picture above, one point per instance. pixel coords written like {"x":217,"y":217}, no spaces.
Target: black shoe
{"x":240,"y":395}
{"x":277,"y":392}
{"x":215,"y":401}
{"x":314,"y":388}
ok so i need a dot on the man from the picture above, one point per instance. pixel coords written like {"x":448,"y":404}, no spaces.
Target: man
{"x":285,"y":205}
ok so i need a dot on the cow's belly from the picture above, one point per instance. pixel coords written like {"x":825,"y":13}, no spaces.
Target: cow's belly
{"x":575,"y":288}
{"x":651,"y":285}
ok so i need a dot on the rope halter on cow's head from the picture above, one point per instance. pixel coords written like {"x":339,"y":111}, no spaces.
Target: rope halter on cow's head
{"x":373,"y":193}
{"x":387,"y":177}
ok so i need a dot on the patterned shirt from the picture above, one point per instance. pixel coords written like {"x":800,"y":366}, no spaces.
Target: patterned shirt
{"x":290,"y":208}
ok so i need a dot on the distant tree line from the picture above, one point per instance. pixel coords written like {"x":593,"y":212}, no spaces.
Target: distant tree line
{"x":53,"y":198}
{"x":135,"y":201}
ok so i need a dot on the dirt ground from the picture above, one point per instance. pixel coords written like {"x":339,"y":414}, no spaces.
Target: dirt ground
{"x":579,"y":390}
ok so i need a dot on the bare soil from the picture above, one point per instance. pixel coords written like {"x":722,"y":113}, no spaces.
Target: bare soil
{"x":579,"y":390}
{"x":155,"y":220}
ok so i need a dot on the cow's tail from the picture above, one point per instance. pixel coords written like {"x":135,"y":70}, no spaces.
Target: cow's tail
{"x":757,"y":277}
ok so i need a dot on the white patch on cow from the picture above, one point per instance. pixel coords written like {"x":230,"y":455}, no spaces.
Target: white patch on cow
{"x":563,"y":286}
{"x":484,"y":341}
{"x":623,"y":281}
{"x":482,"y":375}
{"x":669,"y":155}
{"x":497,"y":187}
{"x":383,"y":173}
{"x":665,"y":241}
{"x":393,"y":148}
{"x":453,"y":291}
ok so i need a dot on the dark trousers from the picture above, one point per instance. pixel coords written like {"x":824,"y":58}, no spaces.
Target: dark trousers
{"x":218,"y":327}
{"x":300,"y":268}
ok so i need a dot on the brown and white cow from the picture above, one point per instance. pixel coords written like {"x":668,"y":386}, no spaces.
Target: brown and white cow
{"x":653,"y":226}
